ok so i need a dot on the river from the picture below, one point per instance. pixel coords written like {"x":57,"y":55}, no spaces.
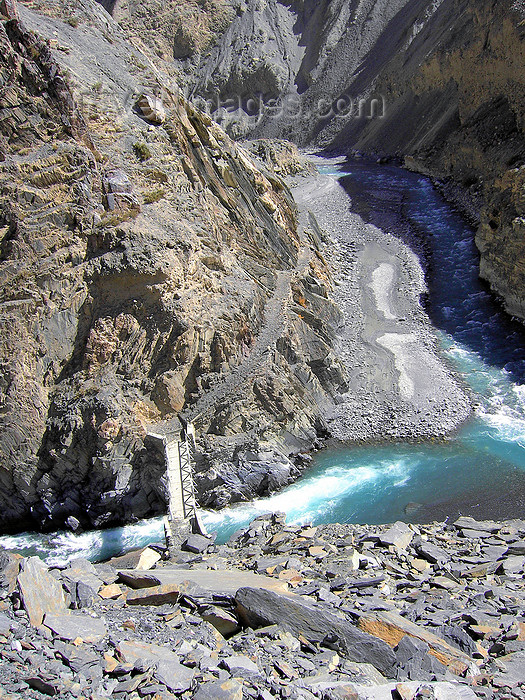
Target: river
{"x":478,"y":472}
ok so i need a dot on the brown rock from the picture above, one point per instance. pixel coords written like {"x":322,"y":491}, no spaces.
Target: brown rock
{"x":222,"y":620}
{"x":308,"y":532}
{"x":41,"y":593}
{"x":521,"y":631}
{"x":420,"y":565}
{"x":157,"y":595}
{"x":485,"y":631}
{"x":111,"y":592}
{"x":111,"y":663}
{"x":391,"y":628}
{"x":405,"y":692}
{"x":148,"y":559}
{"x":443,"y":582}
{"x":292,"y":576}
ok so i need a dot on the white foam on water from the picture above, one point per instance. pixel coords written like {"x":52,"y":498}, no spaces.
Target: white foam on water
{"x":308,"y":500}
{"x":302,"y":502}
{"x":503,"y":407}
{"x":508,"y":423}
{"x":502,"y":403}
{"x":312,"y":498}
{"x":61,"y":547}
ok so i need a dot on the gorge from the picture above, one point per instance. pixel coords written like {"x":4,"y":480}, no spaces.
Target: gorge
{"x":177,"y":276}
{"x":294,"y":231}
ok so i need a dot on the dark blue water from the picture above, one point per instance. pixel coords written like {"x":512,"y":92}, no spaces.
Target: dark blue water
{"x":460,"y":304}
{"x":480,"y":472}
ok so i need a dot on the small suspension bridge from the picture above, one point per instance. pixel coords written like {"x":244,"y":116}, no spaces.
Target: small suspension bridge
{"x":178,"y":444}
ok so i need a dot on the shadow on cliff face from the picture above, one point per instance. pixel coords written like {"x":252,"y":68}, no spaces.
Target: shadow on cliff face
{"x":408,"y":206}
{"x":85,"y":474}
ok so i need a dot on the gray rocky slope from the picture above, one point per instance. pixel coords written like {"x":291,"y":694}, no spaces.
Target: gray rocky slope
{"x":141,"y":262}
{"x":335,"y":612}
{"x":437,"y":82}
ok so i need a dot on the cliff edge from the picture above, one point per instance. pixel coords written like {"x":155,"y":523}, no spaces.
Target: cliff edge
{"x":144,"y":258}
{"x":438,"y":83}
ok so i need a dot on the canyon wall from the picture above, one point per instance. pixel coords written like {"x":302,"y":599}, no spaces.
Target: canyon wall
{"x":153,"y":269}
{"x":438,"y":82}
{"x":145,"y":262}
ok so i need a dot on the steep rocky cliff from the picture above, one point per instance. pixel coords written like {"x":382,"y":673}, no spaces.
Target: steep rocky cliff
{"x":152,"y":269}
{"x":440,"y":82}
{"x":146,"y":262}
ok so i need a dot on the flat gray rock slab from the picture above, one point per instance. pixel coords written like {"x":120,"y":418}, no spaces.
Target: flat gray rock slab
{"x":82,"y":570}
{"x":138,"y":578}
{"x":513,"y":565}
{"x":242,"y":666}
{"x":476,"y":534}
{"x":223,"y":582}
{"x":467,"y":523}
{"x":432,"y":553}
{"x":80,"y":660}
{"x":399,"y":535}
{"x":494,"y":552}
{"x":69,"y":627}
{"x":517,"y":548}
{"x":197,"y":544}
{"x":215,"y":690}
{"x":317,"y":623}
{"x":170,"y":671}
{"x":511,"y":670}
{"x":41,"y":593}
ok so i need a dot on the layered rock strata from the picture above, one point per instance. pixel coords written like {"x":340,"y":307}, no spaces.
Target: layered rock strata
{"x":440,"y":83}
{"x":143,"y":260}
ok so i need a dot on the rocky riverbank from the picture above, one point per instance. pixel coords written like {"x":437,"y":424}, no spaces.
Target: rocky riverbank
{"x":175,"y":278}
{"x":398,"y":384}
{"x":332,"y":612}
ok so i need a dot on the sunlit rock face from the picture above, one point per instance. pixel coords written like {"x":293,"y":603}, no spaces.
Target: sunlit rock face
{"x":141,"y":258}
{"x":440,"y":83}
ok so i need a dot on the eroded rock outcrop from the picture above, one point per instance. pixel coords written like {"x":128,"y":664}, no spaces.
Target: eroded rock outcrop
{"x":440,"y":83}
{"x":142,"y":263}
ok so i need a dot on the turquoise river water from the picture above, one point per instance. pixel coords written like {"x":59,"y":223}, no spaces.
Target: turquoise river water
{"x":479,"y":472}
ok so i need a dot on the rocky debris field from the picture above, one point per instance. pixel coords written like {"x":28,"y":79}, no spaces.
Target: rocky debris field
{"x":332,"y":612}
{"x":398,"y":384}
